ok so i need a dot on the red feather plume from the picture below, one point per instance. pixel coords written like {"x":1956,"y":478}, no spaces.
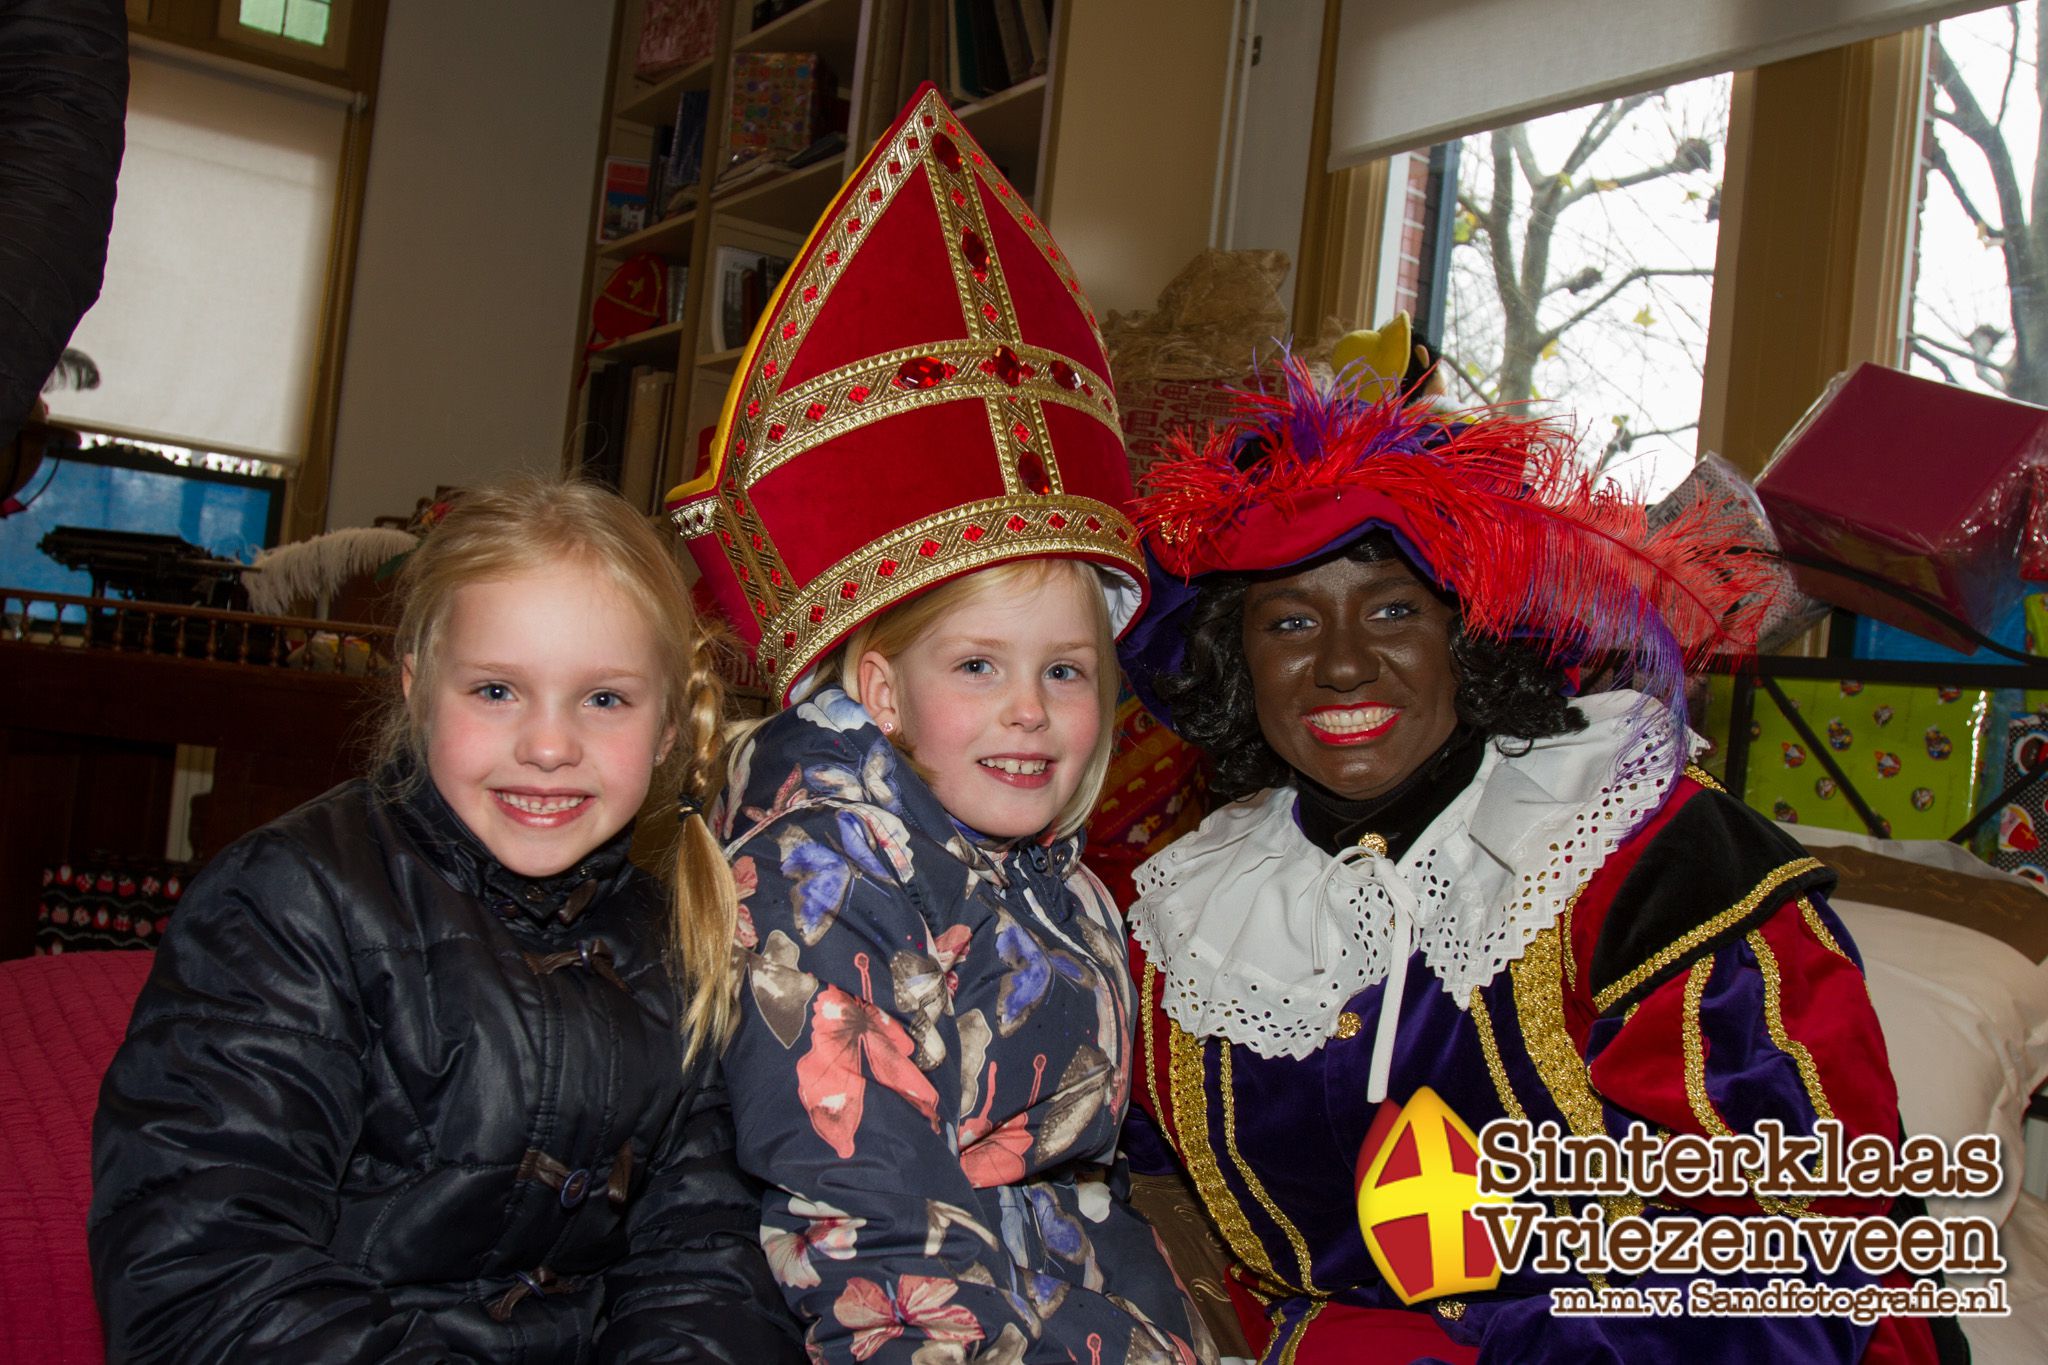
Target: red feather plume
{"x":1499,"y":506}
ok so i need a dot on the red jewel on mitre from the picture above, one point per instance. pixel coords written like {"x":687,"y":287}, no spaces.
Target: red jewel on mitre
{"x":926,"y":395}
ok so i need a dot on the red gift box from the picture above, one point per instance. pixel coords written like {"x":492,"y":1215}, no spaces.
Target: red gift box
{"x":1917,"y":483}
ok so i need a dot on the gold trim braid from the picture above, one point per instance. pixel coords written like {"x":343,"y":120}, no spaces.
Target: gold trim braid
{"x":1482,"y":1018}
{"x":1146,"y":1039}
{"x":1692,"y":1037}
{"x":1676,"y":950}
{"x":1191,"y":1122}
{"x":813,"y":617}
{"x":1537,"y":977}
{"x":1226,"y":1083}
{"x":1538,"y":980}
{"x":1819,"y":927}
{"x":865,"y":392}
{"x":1300,"y":1332}
{"x":1774,"y":1022}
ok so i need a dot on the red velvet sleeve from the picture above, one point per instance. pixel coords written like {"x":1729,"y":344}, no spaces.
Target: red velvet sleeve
{"x":1776,"y":1024}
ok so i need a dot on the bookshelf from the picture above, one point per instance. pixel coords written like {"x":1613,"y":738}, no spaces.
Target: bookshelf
{"x":655,"y":346}
{"x":877,"y":51}
{"x":649,"y":104}
{"x":670,"y":237}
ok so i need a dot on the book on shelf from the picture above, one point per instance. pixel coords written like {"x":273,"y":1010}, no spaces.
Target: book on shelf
{"x":678,"y":291}
{"x":685,"y":161}
{"x":657,"y":173}
{"x":647,"y":423}
{"x":743,"y":171}
{"x":991,"y":45}
{"x":625,"y":198}
{"x":767,"y":12}
{"x":1037,"y":16}
{"x":1015,"y":51}
{"x":674,"y":34}
{"x":744,"y":278}
{"x":604,"y":424}
{"x":963,"y":61}
{"x":828,"y":144}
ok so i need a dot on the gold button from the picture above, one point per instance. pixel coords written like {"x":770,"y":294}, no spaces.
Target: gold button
{"x":1451,"y":1309}
{"x":1374,"y":844}
{"x":1348,"y":1025}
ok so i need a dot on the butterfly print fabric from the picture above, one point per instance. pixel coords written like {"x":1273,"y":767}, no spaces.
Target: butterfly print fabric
{"x":932,"y":1069}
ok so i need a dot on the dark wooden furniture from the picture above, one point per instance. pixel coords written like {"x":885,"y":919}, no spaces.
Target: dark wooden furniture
{"x":93,"y":709}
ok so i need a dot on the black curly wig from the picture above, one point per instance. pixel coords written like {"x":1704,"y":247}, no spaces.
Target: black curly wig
{"x":1504,"y":687}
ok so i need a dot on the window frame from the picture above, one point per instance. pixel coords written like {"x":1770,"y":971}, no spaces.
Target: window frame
{"x":194,"y":26}
{"x":334,"y":52}
{"x":1830,"y":139}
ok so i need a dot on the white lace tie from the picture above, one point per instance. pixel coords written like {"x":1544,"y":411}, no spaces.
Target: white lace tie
{"x":1366,"y":869}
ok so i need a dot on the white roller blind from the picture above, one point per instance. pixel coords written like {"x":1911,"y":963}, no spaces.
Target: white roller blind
{"x":205,"y":331}
{"x":1415,"y":72}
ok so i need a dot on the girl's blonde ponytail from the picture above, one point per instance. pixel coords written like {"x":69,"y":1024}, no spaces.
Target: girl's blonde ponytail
{"x":706,"y":900}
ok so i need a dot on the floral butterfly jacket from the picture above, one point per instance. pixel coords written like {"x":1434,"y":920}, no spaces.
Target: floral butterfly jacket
{"x":932,"y":1066}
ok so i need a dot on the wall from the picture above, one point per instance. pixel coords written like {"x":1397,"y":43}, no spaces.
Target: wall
{"x":1133,"y":194}
{"x":1134,"y":153}
{"x":1279,"y":117}
{"x":465,"y":318}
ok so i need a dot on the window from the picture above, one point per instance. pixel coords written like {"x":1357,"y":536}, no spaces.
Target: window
{"x":1979,"y":303}
{"x":124,"y":487}
{"x":1574,"y":265}
{"x":311,"y":30}
{"x":207,"y":329}
{"x":302,"y":21}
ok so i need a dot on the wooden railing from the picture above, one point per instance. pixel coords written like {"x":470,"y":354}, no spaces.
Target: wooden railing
{"x":60,"y":621}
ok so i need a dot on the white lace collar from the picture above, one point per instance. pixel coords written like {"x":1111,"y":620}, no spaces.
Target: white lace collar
{"x":1261,"y":937}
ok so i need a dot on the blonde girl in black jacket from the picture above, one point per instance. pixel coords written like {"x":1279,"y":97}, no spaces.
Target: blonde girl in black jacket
{"x":426,"y":1069}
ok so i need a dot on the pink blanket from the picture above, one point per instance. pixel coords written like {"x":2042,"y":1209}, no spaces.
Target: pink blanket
{"x":60,"y":1020}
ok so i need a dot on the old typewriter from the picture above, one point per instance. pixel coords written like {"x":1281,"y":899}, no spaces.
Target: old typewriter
{"x":148,"y":567}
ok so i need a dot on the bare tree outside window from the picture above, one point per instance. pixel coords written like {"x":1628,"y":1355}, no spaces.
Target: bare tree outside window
{"x":1980,"y":292}
{"x":1581,"y":273}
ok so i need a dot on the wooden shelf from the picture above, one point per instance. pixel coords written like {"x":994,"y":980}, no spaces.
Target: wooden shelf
{"x":826,"y":27}
{"x":669,"y":237}
{"x":656,"y":104}
{"x":775,"y":213}
{"x":1007,"y":125}
{"x":658,"y":345}
{"x":792,"y":200}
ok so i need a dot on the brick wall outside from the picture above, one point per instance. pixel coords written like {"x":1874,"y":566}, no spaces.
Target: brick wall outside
{"x":1414,"y":204}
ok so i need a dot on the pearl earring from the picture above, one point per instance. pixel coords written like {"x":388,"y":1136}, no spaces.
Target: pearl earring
{"x":888,"y":727}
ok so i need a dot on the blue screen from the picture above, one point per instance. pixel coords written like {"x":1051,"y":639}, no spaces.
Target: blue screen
{"x":229,"y":520}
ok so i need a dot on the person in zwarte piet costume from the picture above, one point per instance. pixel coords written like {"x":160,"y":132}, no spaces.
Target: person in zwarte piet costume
{"x":933,"y":1063}
{"x":1445,"y":882}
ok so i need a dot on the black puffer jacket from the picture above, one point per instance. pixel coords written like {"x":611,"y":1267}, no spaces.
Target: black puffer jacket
{"x":63,"y":97}
{"x":381,"y":1099}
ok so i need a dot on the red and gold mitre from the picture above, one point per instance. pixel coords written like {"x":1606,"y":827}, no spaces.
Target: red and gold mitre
{"x":926,"y":395}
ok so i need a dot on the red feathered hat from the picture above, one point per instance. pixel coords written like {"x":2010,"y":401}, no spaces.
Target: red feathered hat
{"x":926,"y":395}
{"x":1497,"y":510}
